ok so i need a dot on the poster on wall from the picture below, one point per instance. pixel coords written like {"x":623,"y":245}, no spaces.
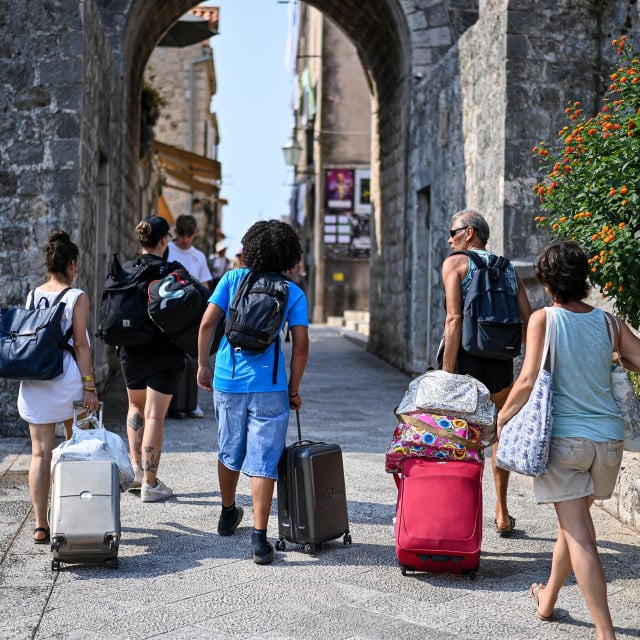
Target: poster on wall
{"x":362,"y":198}
{"x":339,"y":189}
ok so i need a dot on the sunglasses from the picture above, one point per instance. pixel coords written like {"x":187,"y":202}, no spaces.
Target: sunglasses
{"x":452,"y":232}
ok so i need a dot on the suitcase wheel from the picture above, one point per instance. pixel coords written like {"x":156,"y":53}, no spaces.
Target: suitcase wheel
{"x":404,"y":569}
{"x":311,"y":548}
{"x":115,"y":563}
{"x":346,"y":538}
{"x":280,"y":545}
{"x":55,"y":565}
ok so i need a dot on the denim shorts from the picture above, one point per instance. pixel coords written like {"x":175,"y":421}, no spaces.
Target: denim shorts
{"x":252,"y":431}
{"x":579,"y":467}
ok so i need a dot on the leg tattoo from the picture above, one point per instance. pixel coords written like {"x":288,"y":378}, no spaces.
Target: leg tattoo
{"x":150,"y":462}
{"x":135,"y":422}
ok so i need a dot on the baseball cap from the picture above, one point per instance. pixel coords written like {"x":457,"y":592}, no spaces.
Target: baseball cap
{"x":159,"y":228}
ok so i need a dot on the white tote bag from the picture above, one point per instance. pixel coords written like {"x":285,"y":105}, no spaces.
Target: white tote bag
{"x":524,"y":442}
{"x":624,"y":394}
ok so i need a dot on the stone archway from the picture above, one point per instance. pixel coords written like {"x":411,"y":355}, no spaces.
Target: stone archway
{"x":380,"y":33}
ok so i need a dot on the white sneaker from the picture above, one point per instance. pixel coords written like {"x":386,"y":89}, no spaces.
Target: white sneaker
{"x":197,"y":412}
{"x":137,"y":478}
{"x":153,"y":494}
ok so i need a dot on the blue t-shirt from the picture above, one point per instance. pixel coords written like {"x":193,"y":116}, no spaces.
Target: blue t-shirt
{"x":253,"y":371}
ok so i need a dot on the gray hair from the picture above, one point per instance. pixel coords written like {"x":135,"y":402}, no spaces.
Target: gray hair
{"x":472,"y":218}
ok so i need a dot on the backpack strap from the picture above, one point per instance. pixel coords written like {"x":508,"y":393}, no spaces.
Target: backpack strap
{"x":69,"y":332}
{"x":498,"y":262}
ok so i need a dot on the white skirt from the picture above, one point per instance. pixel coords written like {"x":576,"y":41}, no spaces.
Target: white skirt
{"x":48,"y":401}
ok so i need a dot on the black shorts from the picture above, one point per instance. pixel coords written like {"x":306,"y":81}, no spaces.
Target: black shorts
{"x":494,"y":374}
{"x":157,"y":365}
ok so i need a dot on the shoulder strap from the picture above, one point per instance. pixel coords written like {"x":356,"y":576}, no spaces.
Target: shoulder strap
{"x":473,"y":256}
{"x":32,"y":304}
{"x":498,"y":262}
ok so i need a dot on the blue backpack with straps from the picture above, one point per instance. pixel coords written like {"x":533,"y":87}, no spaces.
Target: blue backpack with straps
{"x":491,"y":325}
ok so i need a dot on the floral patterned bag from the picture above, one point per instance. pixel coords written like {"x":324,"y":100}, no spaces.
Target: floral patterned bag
{"x":523,"y":446}
{"x":430,"y":436}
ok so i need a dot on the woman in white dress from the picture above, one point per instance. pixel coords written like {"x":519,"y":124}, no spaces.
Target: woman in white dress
{"x":43,"y":403}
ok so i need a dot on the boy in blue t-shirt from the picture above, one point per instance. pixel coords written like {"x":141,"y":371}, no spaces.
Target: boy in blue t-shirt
{"x":252,"y":410}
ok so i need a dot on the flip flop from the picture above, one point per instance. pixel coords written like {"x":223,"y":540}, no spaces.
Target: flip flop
{"x":534,"y":594}
{"x":505,"y":532}
{"x":44,"y":540}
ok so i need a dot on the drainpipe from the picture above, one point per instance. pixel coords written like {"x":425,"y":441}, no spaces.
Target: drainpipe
{"x":192,"y":105}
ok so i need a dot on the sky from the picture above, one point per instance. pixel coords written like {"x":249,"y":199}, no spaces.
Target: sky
{"x":253,"y":107}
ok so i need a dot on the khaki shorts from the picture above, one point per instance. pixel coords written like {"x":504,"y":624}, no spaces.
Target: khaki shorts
{"x":579,"y":467}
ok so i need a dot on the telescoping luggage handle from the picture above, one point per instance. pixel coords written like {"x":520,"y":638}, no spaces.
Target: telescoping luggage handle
{"x":300,"y":441}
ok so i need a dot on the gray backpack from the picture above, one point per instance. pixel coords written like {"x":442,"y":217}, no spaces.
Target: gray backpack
{"x":256,"y":314}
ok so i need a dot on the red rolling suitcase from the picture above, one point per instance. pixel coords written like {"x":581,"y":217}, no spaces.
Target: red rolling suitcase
{"x":312,"y":501}
{"x":439,"y":516}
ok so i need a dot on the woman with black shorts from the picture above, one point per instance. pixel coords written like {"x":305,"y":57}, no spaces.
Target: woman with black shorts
{"x":151,"y":373}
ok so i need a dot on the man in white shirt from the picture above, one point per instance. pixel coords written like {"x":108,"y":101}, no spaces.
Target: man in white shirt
{"x":183,"y":251}
{"x":192,"y":259}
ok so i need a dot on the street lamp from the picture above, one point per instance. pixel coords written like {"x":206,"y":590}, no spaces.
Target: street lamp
{"x":292,"y":151}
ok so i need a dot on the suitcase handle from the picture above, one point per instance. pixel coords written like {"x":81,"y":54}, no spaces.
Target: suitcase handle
{"x":91,"y":419}
{"x":298,"y":422}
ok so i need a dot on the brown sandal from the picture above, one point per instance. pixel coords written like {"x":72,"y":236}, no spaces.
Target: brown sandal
{"x":534,"y":593}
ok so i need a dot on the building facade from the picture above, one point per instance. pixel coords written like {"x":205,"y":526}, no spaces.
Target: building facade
{"x":460,"y":92}
{"x":331,"y":199}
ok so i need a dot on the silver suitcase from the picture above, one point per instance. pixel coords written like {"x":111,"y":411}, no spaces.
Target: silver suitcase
{"x":85,"y":512}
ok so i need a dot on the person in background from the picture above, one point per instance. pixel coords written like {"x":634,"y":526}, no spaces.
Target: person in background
{"x":587,"y":433}
{"x":192,"y":259}
{"x":470,"y":231}
{"x":151,"y":373}
{"x":219,"y":263}
{"x":43,"y":403}
{"x":237,"y":263}
{"x":252,"y":411}
{"x":182,"y":250}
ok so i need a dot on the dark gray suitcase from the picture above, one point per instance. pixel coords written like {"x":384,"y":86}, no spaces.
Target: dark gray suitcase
{"x":312,"y":500}
{"x":185,"y":399}
{"x":85,"y":512}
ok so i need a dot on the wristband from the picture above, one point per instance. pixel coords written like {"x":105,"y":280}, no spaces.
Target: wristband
{"x":89,"y":389}
{"x":295,"y":395}
{"x":87,"y":378}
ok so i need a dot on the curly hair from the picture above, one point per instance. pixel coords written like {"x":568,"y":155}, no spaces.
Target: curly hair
{"x":271,"y":246}
{"x":564,"y":269}
{"x":59,"y":252}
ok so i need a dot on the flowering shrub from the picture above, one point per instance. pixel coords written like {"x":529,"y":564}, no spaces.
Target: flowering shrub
{"x":591,"y":191}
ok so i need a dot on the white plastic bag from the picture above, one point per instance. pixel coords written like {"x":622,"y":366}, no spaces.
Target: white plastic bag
{"x":94,"y":442}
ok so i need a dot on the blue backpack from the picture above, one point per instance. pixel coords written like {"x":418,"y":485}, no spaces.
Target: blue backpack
{"x":491,"y":325}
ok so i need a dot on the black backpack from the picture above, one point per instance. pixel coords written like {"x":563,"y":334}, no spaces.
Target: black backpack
{"x":256,"y":314}
{"x":176,"y":305}
{"x":124,"y":320}
{"x":491,"y":325}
